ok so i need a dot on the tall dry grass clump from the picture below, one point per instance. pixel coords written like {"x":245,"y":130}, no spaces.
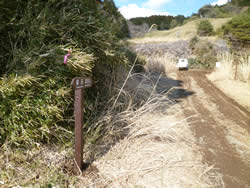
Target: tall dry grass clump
{"x":163,"y":64}
{"x":233,"y":67}
{"x":244,"y":68}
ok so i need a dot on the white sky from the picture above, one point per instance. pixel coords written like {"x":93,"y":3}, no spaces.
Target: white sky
{"x":132,"y":11}
{"x":219,"y":2}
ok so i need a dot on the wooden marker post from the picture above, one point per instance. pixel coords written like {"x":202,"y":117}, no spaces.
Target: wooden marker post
{"x":236,"y":70}
{"x":79,"y":84}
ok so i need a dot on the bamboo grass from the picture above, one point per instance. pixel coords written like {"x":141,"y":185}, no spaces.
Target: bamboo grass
{"x":36,"y":100}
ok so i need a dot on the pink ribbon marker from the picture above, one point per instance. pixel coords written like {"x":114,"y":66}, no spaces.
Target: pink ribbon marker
{"x":66,"y":57}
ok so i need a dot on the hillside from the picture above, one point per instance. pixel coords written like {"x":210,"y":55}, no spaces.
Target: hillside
{"x":165,"y":23}
{"x":184,"y":32}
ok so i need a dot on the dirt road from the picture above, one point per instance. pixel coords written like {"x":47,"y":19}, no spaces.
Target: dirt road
{"x":221,"y":127}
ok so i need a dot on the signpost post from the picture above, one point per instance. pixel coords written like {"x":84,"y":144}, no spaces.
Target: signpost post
{"x":79,"y":84}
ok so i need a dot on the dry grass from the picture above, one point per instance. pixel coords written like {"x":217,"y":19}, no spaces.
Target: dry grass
{"x":233,"y":68}
{"x":43,"y":166}
{"x":228,"y":71}
{"x":163,"y":64}
{"x":159,"y":151}
{"x":223,"y":77}
{"x":185,"y":32}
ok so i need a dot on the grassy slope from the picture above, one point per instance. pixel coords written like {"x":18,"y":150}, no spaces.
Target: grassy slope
{"x":185,"y":32}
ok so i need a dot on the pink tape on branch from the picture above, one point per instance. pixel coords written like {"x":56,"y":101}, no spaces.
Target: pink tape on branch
{"x":66,"y":57}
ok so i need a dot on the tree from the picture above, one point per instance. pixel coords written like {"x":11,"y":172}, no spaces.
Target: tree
{"x":119,"y":23}
{"x":205,"y":11}
{"x":162,"y":22}
{"x":179,"y":19}
{"x":205,"y":28}
{"x":241,"y":2}
{"x":173,"y":24}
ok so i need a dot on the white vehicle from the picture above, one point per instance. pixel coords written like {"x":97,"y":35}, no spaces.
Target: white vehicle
{"x":182,"y":64}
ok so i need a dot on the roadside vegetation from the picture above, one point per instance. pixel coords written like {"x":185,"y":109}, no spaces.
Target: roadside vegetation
{"x":141,"y":123}
{"x":233,"y":67}
{"x":36,"y":98}
{"x":205,"y":28}
{"x":233,"y":77}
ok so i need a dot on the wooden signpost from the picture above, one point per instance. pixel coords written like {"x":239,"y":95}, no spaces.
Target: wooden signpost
{"x":79,"y":83}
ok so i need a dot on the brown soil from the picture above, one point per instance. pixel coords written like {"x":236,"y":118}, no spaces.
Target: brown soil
{"x":217,"y":119}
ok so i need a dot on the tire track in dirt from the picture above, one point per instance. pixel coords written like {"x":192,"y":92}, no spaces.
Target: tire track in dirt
{"x":228,"y":106}
{"x":210,"y":132}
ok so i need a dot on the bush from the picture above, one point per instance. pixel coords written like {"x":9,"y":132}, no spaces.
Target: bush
{"x":205,"y":55}
{"x":241,"y":2}
{"x":224,"y":11}
{"x":238,"y":28}
{"x":206,"y":11}
{"x":193,"y":42}
{"x":194,"y":63}
{"x":205,"y":28}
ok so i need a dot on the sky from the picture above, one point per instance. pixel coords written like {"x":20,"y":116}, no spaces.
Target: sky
{"x":142,"y":8}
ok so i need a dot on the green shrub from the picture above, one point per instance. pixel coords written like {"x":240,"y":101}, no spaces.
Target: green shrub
{"x":194,"y":63}
{"x":224,"y":11}
{"x":237,"y":29}
{"x":205,"y":55}
{"x":205,"y":28}
{"x":241,"y":2}
{"x":206,"y":11}
{"x":193,"y":42}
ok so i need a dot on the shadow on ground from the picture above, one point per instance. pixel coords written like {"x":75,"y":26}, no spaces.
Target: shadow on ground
{"x":168,"y":86}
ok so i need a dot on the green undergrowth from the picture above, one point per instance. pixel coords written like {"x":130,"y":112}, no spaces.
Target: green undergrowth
{"x":237,"y":29}
{"x":205,"y":28}
{"x":204,"y":52}
{"x":36,"y":99}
